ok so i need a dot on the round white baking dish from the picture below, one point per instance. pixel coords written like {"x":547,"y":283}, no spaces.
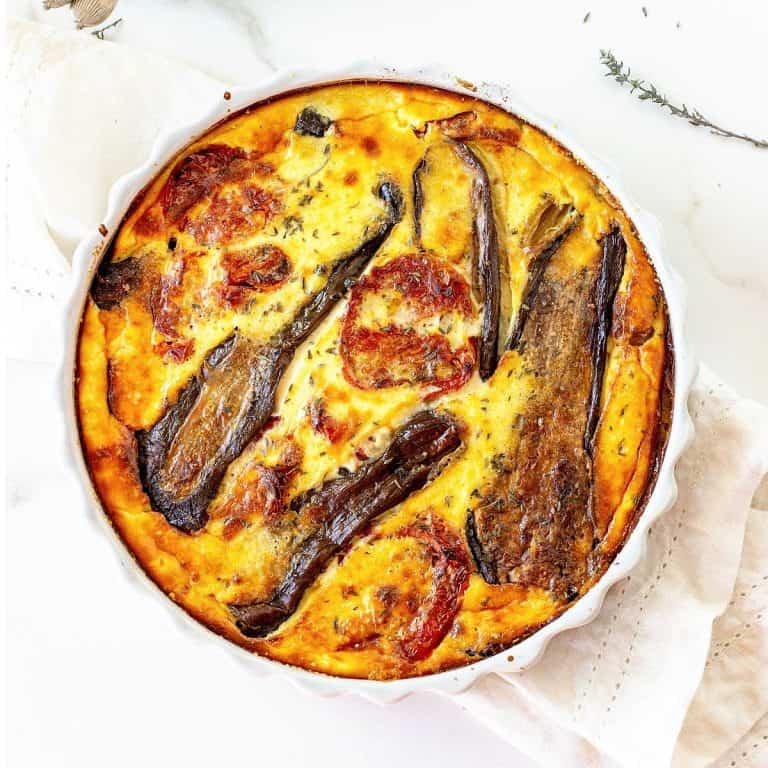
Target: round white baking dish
{"x":527,"y":652}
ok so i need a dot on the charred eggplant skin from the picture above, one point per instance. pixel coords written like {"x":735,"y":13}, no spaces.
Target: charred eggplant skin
{"x":311,"y":123}
{"x":614,"y":256}
{"x":344,"y":272}
{"x":487,"y":274}
{"x":267,"y":363}
{"x":484,"y":565}
{"x":114,"y":280}
{"x":189,"y":513}
{"x":347,"y":505}
{"x":418,"y":197}
{"x":536,"y":518}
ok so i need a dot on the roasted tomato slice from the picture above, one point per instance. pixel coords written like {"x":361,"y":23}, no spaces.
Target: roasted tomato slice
{"x":260,"y":492}
{"x":397,"y":325}
{"x":324,"y":423}
{"x":450,"y":578}
{"x":196,"y":177}
{"x":378,"y":359}
{"x":253,"y":270}
{"x":234,"y":214}
{"x":168,"y":308}
{"x":197,"y":174}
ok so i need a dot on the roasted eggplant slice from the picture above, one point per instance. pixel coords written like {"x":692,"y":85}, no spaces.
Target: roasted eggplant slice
{"x":418,"y":197}
{"x":311,"y":123}
{"x":544,"y":233}
{"x":184,"y":456}
{"x":485,"y":565}
{"x":611,"y":270}
{"x":345,"y":506}
{"x":486,"y":270}
{"x":462,"y":125}
{"x":469,"y":126}
{"x":533,"y":525}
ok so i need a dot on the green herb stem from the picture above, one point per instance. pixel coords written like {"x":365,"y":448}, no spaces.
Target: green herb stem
{"x":648,"y":92}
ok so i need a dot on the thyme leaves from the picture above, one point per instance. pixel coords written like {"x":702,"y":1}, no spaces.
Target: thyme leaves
{"x":649,"y":92}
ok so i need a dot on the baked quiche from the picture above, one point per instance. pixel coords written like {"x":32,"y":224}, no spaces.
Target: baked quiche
{"x":374,"y":379}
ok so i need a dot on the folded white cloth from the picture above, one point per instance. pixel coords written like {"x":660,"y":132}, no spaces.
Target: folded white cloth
{"x":652,"y":682}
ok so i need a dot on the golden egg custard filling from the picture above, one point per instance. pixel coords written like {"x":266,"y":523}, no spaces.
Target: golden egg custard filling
{"x":374,"y":379}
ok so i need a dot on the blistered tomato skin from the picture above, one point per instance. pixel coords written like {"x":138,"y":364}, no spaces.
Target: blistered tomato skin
{"x":395,"y":353}
{"x":199,"y":173}
{"x":325,"y":424}
{"x":252,"y":270}
{"x":234,"y":215}
{"x":450,"y":578}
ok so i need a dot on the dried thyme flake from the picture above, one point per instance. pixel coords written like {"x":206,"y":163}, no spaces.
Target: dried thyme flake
{"x":292,"y":225}
{"x":501,"y":464}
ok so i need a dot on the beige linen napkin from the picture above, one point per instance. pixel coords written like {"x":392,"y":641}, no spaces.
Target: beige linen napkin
{"x":651,"y":682}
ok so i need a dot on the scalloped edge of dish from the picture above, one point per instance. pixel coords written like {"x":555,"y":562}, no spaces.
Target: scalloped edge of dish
{"x":527,"y":652}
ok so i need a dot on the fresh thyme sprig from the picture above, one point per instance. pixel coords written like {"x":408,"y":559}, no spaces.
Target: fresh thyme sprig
{"x":648,"y":92}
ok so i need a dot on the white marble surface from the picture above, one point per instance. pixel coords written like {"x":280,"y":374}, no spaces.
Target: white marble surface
{"x":98,"y":673}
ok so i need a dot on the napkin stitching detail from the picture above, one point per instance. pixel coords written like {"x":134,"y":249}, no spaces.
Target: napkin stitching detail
{"x":761,"y":742}
{"x":744,"y":625}
{"x":745,"y":592}
{"x":596,"y":664}
{"x":641,"y":612}
{"x":630,"y":649}
{"x":44,"y":270}
{"x":30,"y":292}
